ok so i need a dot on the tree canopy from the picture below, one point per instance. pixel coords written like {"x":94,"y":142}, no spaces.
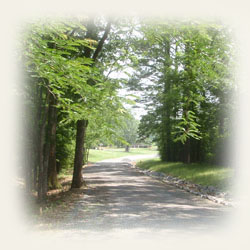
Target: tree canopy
{"x":186,"y":70}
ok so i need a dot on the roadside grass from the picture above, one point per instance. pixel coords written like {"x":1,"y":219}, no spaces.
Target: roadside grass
{"x":203,"y":174}
{"x":112,"y":153}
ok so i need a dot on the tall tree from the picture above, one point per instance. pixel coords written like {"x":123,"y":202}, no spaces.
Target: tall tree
{"x":49,"y":66}
{"x":77,"y":180}
{"x":183,"y":82}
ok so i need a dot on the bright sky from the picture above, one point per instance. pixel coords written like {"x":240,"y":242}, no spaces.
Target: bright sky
{"x":137,"y":111}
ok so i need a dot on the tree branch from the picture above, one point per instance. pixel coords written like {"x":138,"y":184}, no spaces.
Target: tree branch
{"x":100,"y":44}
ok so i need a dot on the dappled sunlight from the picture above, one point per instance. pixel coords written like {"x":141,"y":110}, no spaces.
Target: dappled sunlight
{"x":206,"y":173}
{"x":118,"y":197}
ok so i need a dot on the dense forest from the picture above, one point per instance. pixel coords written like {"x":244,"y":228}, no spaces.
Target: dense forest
{"x":182,"y":71}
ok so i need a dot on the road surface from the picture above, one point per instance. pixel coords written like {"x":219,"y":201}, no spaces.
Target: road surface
{"x":120,"y":200}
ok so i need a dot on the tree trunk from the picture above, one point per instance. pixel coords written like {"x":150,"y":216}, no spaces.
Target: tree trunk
{"x":187,"y":151}
{"x":127,"y":148}
{"x":36,"y":136}
{"x":167,"y":105}
{"x":45,"y":167}
{"x":52,"y":170}
{"x":77,"y":181}
{"x":41,"y":168}
{"x":28,"y":170}
{"x":35,"y":170}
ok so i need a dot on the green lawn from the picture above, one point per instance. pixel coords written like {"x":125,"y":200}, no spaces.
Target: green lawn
{"x":111,"y":153}
{"x":202,"y":174}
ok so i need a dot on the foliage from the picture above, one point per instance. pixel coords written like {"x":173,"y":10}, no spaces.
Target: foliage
{"x":56,"y":67}
{"x":186,"y":70}
{"x":126,"y":133}
{"x":183,"y":69}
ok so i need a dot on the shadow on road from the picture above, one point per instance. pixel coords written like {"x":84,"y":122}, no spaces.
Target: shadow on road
{"x":120,"y":197}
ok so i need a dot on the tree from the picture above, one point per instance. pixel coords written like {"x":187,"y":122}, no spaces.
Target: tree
{"x":82,"y":124}
{"x":68,"y":87}
{"x":180,"y":61}
{"x":55,"y":74}
{"x":126,"y":133}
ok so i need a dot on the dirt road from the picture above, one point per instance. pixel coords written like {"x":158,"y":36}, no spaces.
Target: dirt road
{"x":119,"y":198}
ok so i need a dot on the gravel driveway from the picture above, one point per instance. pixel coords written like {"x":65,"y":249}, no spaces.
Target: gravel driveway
{"x":120,"y":199}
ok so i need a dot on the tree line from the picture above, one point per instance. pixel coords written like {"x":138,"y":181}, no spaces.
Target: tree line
{"x":186,"y":72}
{"x":66,"y":91}
{"x":71,"y":82}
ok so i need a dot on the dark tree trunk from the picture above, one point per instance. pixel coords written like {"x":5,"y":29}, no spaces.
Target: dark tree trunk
{"x":77,"y":181}
{"x":41,"y":169}
{"x":52,"y":171}
{"x":36,"y":137}
{"x":35,"y":170}
{"x":168,"y":139}
{"x":167,"y":107}
{"x":28,"y":170}
{"x":187,"y":151}
{"x":45,"y":166}
{"x":127,"y":148}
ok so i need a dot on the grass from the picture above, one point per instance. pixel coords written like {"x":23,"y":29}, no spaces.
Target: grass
{"x":112,"y":153}
{"x":65,"y":175}
{"x":203,"y":174}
